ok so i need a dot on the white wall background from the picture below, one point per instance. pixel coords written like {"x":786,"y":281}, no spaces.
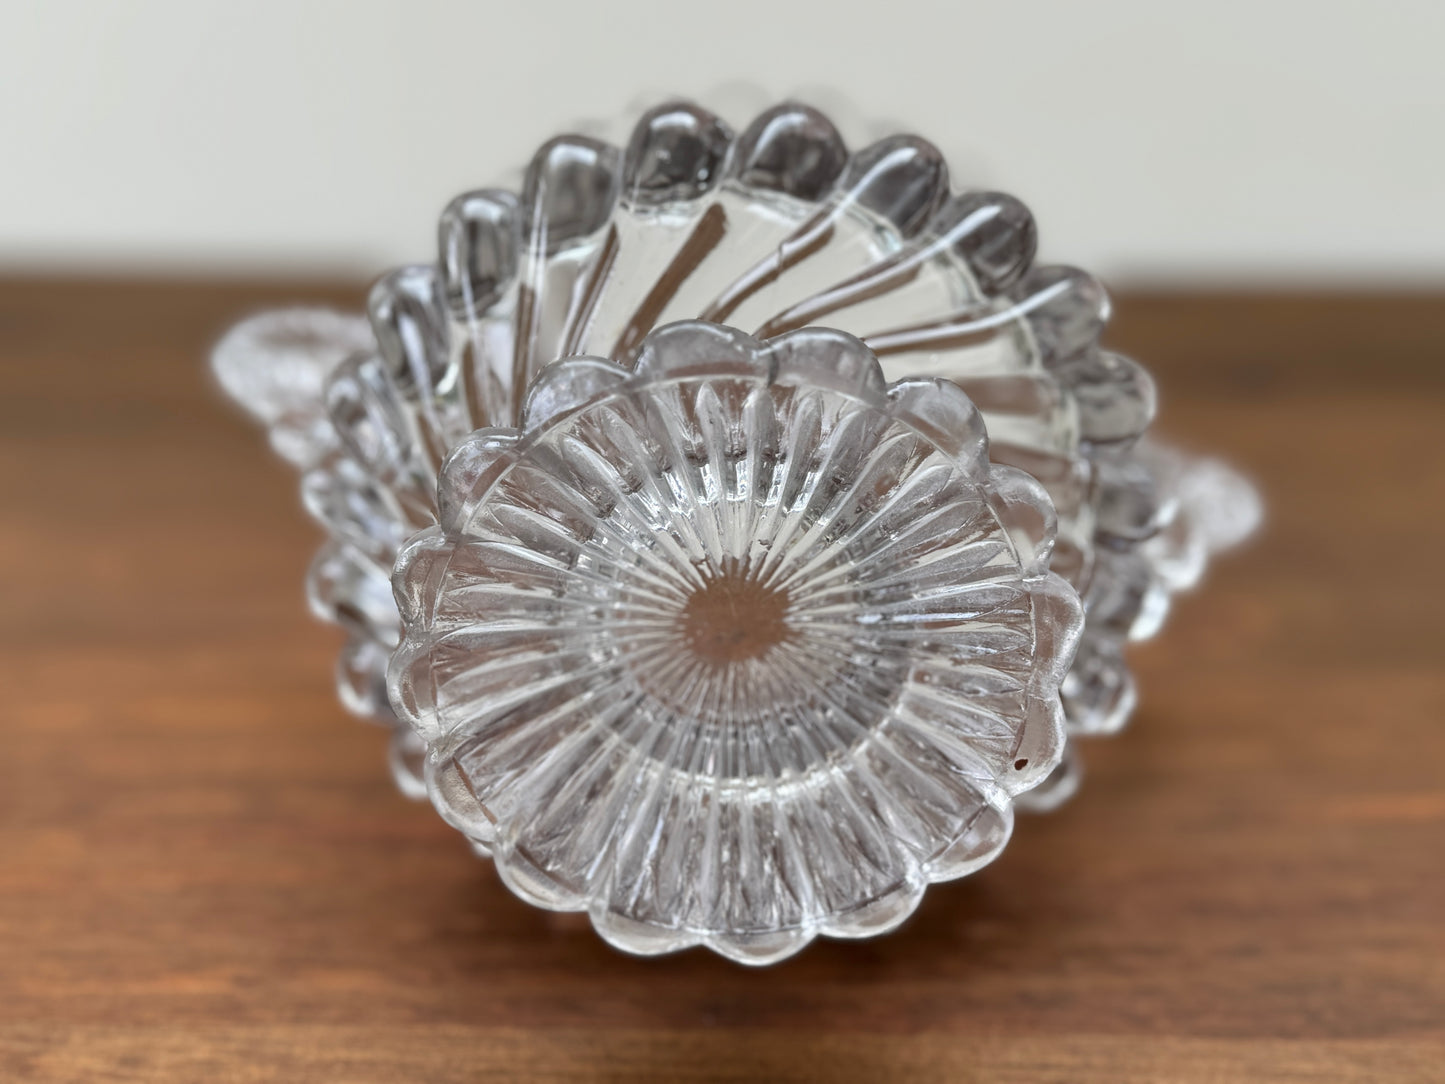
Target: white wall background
{"x":1211,"y":140}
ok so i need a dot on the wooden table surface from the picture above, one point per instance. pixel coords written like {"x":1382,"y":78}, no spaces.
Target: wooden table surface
{"x":205,"y":873}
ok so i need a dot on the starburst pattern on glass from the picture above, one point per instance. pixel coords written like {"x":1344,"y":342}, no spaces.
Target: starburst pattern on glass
{"x":738,"y":647}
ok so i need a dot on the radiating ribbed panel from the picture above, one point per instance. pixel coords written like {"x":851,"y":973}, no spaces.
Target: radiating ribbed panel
{"x":737,"y":650}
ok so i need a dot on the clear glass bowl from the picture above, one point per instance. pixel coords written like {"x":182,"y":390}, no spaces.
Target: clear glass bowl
{"x":768,"y":231}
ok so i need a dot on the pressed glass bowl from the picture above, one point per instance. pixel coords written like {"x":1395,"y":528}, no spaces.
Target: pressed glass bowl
{"x":771,"y":234}
{"x":735,"y":648}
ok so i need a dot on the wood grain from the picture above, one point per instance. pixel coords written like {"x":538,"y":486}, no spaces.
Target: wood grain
{"x":205,"y":874}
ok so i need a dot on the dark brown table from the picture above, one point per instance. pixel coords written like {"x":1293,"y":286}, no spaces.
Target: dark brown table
{"x":206,"y":875}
